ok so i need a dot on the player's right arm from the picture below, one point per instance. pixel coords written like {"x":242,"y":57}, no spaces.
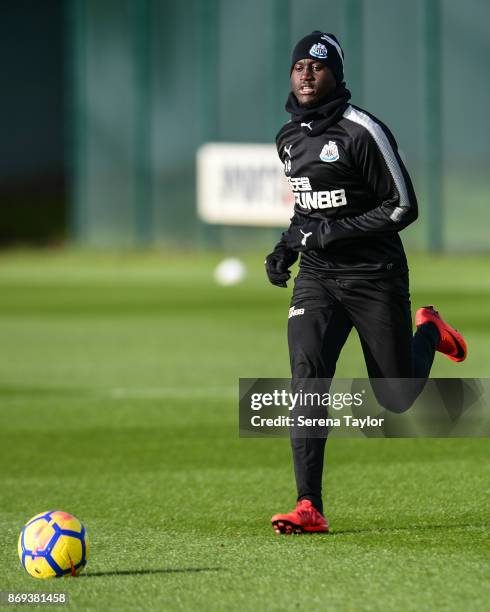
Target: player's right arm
{"x":278,"y":262}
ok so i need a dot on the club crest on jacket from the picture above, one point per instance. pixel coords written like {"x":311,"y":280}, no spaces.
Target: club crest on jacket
{"x":330,"y":152}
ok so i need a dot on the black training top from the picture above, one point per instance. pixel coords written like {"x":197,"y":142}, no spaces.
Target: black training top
{"x":351,"y":174}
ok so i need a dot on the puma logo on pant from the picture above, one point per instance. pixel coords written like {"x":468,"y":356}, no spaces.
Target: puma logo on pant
{"x":295,"y":312}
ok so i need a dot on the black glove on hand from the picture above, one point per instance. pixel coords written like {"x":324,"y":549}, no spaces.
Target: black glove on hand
{"x":311,"y":235}
{"x":277,"y":265}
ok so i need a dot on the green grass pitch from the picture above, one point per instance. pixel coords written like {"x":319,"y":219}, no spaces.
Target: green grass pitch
{"x":118,"y":391}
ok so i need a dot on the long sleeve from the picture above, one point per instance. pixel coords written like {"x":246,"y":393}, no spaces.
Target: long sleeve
{"x":375,"y":157}
{"x":282,"y":247}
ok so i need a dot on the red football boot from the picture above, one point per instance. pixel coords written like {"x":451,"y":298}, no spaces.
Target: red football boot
{"x":451,"y":343}
{"x":304,"y":518}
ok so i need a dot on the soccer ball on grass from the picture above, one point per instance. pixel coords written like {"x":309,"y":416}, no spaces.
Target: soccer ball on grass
{"x":53,"y":544}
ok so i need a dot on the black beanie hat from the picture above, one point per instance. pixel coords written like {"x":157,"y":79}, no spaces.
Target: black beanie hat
{"x":323,"y":47}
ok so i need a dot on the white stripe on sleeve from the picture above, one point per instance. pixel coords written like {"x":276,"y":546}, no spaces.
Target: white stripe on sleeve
{"x":387,"y":152}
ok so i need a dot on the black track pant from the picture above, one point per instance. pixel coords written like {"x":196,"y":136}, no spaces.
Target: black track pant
{"x":322,"y":315}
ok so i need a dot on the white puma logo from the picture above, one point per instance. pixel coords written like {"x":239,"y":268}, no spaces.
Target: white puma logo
{"x":288,"y":149}
{"x":305,"y":237}
{"x":308,"y":125}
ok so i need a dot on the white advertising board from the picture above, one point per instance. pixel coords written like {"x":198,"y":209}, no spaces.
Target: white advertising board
{"x":242,"y":184}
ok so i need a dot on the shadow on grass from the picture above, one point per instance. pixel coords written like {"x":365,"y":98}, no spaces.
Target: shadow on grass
{"x":182,"y":570}
{"x":412,"y":528}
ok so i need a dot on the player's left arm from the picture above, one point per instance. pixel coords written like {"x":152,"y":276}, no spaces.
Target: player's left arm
{"x":375,"y":156}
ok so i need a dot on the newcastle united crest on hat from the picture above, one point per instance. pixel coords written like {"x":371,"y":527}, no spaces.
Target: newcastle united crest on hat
{"x":325,"y":48}
{"x":319,"y":51}
{"x":330,"y":152}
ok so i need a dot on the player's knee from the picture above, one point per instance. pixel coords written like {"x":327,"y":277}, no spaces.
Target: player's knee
{"x":303,"y":366}
{"x":396,"y":396}
{"x":303,"y":369}
{"x":397,"y":405}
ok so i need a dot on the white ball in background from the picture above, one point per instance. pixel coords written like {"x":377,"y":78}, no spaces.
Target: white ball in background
{"x":230,"y":271}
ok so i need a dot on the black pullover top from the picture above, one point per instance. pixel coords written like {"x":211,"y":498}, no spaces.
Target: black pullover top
{"x":343,"y":166}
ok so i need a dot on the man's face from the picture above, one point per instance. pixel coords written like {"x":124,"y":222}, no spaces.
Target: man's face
{"x":311,"y":82}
